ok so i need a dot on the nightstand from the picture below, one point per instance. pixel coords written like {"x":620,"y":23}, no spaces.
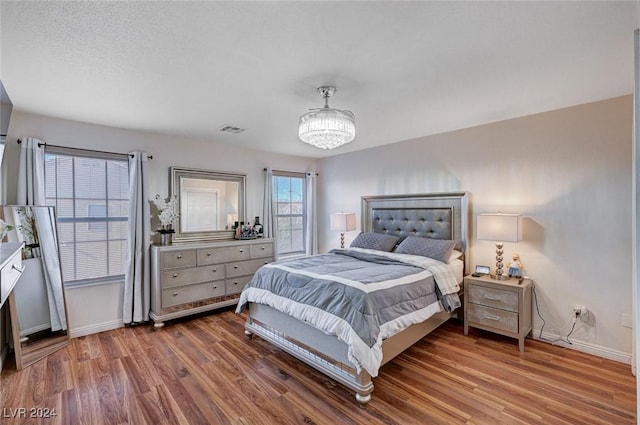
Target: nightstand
{"x":499,"y":306}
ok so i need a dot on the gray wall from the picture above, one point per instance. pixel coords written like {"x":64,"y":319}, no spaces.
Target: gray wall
{"x":567,"y":171}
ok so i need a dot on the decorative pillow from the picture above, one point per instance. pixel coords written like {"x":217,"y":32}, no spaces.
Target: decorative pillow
{"x":455,"y":254}
{"x":378,"y":241}
{"x":438,"y":249}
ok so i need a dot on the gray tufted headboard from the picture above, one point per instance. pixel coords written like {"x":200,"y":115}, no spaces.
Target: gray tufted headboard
{"x":437,"y":215}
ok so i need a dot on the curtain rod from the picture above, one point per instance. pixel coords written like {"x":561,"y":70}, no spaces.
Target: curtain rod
{"x":305,"y":172}
{"x":40,"y":144}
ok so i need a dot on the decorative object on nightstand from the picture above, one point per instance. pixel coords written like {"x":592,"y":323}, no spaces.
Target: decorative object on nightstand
{"x":515,"y":267}
{"x":500,"y":306}
{"x":500,"y":228}
{"x":343,"y":222}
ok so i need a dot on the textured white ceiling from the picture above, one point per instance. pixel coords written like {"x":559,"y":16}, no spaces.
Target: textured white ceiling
{"x":406,"y":69}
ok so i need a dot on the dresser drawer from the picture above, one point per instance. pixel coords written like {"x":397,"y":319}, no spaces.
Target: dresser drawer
{"x":177,"y":277}
{"x":237,"y":284}
{"x":262,"y":250}
{"x":191,"y":293}
{"x":492,"y":317}
{"x":223,"y":254}
{"x":245,"y":267}
{"x":492,"y":297}
{"x":183,"y":258}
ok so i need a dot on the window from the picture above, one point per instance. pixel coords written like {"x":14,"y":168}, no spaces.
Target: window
{"x":290,"y":215}
{"x":91,"y":195}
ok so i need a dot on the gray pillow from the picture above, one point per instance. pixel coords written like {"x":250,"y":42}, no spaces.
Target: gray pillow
{"x":378,"y":241}
{"x":438,"y":249}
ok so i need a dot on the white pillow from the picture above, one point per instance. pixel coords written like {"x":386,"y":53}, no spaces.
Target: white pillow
{"x":454,"y":256}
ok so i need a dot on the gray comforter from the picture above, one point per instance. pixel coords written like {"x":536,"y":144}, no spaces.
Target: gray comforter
{"x":359,"y":295}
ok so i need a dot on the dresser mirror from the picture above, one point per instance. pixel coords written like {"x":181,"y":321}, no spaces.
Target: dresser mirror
{"x":209,"y":203}
{"x":37,"y":303}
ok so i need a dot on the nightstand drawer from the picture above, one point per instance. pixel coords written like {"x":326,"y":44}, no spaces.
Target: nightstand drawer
{"x":492,"y":297}
{"x":493,"y":317}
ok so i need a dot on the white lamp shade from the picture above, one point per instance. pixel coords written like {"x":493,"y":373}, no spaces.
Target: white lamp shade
{"x":343,"y":222}
{"x":500,"y":227}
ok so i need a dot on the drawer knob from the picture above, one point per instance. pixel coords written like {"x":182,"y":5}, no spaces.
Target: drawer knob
{"x":235,"y":283}
{"x":492,"y":297}
{"x":179,"y":257}
{"x":235,"y":267}
{"x":491,"y":316}
{"x":208,"y":254}
{"x":266,"y":262}
{"x":175,"y":275}
{"x":214,"y":270}
{"x":262,"y":248}
{"x":215,"y":286}
{"x":242,"y":250}
{"x":175,"y":294}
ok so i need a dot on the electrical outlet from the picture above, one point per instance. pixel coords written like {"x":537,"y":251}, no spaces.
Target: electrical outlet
{"x":581,"y":312}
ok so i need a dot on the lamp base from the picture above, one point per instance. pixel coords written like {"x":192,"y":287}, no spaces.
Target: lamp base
{"x":499,"y":277}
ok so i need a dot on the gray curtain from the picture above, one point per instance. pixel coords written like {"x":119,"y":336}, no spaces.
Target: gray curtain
{"x":31,"y":191}
{"x":31,"y":172}
{"x":311,"y":236}
{"x":137,"y":286}
{"x":267,"y":208}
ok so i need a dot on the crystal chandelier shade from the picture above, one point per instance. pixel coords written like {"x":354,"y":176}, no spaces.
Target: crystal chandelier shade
{"x":327,"y":128}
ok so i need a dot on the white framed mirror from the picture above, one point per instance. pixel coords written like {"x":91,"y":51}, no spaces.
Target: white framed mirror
{"x":209,"y":203}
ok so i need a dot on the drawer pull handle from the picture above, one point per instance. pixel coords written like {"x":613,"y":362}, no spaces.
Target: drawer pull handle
{"x":179,"y":256}
{"x":175,"y":294}
{"x":235,"y":267}
{"x":492,"y":297}
{"x":18,"y":269}
{"x":208,"y":254}
{"x":175,"y":275}
{"x":491,"y":316}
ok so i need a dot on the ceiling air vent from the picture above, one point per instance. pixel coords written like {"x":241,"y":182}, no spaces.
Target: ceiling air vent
{"x":231,"y":129}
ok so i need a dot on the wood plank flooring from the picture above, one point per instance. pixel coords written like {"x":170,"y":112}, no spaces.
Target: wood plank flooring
{"x":206,"y":371}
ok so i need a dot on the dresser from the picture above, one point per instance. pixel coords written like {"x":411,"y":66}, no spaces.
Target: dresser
{"x":10,"y":268}
{"x":500,"y":306}
{"x":192,"y":278}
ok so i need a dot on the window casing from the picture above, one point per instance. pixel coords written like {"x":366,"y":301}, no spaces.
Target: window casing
{"x":289,"y":197}
{"x":91,"y":195}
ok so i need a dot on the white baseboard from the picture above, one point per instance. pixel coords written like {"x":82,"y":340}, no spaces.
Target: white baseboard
{"x":96,"y":328}
{"x":585,"y":347}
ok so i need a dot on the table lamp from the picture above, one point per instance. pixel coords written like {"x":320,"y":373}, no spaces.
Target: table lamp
{"x":500,"y":228}
{"x":343,"y":222}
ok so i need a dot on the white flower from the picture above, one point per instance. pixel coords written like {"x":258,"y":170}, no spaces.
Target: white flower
{"x":167,"y":209}
{"x":4,"y":227}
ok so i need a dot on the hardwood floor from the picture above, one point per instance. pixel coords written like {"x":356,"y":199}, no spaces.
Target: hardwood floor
{"x":206,"y":371}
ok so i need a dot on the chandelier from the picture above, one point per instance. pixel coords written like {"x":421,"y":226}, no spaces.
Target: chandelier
{"x":327,"y":128}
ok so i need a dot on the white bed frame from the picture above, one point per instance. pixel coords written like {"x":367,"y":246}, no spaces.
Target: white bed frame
{"x":401,"y":215}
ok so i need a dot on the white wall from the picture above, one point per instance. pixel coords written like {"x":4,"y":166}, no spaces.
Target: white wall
{"x":567,"y":171}
{"x":99,"y":307}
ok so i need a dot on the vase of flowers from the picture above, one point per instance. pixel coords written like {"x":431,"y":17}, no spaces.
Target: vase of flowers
{"x":167,"y":214}
{"x":4,"y":228}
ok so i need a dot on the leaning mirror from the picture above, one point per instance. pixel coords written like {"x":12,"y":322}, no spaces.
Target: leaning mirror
{"x":37,"y":303}
{"x":209,"y":203}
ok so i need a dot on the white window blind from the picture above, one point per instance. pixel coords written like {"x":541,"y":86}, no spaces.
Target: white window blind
{"x":289,"y":198}
{"x":90,"y":192}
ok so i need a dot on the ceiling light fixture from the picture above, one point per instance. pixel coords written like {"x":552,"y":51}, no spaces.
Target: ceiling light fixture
{"x":327,"y":128}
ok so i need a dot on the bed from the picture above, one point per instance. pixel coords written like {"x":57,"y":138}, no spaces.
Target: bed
{"x":425,"y":292}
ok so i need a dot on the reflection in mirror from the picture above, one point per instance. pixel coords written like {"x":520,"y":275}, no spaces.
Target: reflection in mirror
{"x":38,"y":309}
{"x":209,"y":202}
